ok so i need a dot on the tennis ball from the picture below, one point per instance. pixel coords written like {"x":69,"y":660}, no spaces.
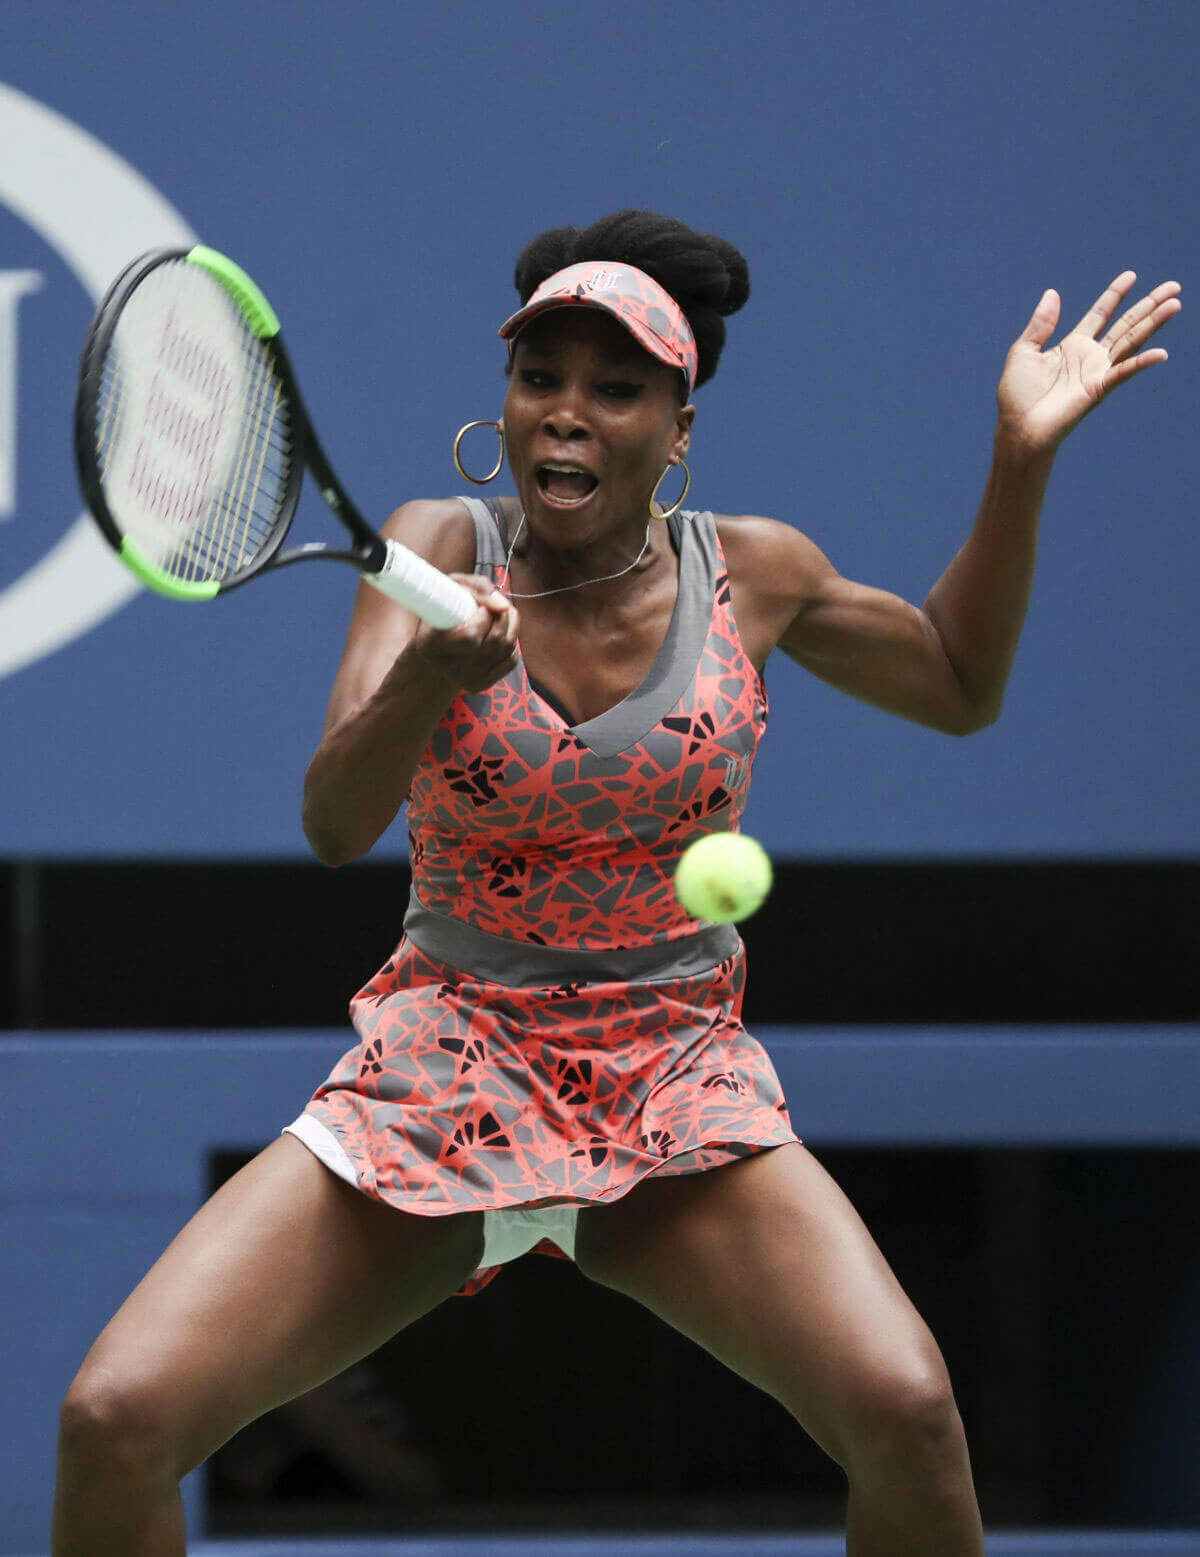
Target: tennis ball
{"x":723,"y":877}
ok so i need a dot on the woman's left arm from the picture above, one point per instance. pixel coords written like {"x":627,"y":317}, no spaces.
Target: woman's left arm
{"x":978,"y":605}
{"x":947,"y":664}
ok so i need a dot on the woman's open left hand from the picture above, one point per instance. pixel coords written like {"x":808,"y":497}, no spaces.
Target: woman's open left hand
{"x":1042,"y":395}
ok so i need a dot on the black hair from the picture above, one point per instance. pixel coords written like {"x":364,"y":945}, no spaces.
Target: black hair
{"x":706,"y":275}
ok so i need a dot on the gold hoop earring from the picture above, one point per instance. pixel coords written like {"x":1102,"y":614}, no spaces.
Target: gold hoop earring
{"x":687,"y":481}
{"x":480,"y":481}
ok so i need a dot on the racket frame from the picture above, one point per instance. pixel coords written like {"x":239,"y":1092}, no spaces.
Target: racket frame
{"x":370,"y":550}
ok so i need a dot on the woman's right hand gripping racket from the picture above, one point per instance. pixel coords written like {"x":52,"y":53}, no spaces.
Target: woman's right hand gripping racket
{"x":191,"y":441}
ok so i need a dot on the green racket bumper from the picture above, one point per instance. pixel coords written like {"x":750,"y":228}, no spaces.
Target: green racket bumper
{"x":162,"y":583}
{"x":258,"y":313}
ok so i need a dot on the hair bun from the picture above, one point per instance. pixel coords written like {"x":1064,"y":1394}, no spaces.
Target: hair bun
{"x":550,"y":252}
{"x":737,"y":275}
{"x":706,"y":275}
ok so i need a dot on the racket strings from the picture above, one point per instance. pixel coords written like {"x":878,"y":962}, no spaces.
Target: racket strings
{"x":239,"y":518}
{"x":194,"y":440}
{"x":112,"y":405}
{"x":253,"y":491}
{"x":240,"y":515}
{"x":242,"y":511}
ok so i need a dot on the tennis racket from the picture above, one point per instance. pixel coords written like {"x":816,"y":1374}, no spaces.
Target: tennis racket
{"x":191,"y":440}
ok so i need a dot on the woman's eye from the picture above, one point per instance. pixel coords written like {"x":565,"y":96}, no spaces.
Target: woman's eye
{"x":538,"y":378}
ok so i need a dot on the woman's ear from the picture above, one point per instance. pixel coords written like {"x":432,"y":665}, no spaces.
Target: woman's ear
{"x":683,"y":431}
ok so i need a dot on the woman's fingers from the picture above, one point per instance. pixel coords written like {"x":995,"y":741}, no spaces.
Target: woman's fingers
{"x":490,"y":606}
{"x":507,"y":641}
{"x":1141,"y":321}
{"x":1105,"y":305}
{"x":491,"y":632}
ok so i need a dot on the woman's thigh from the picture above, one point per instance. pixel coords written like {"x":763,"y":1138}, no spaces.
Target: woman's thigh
{"x":766,"y":1264}
{"x":285,"y":1277}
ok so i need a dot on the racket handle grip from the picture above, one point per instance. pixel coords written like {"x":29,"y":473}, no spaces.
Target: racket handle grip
{"x":421,"y":587}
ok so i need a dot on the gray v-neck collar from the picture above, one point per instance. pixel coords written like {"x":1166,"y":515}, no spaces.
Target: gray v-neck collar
{"x":633,"y":718}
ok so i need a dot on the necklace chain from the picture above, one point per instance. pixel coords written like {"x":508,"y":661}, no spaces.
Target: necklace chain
{"x":538,"y":594}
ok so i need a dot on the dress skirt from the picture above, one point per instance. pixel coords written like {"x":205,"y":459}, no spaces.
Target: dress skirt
{"x":528,"y":1103}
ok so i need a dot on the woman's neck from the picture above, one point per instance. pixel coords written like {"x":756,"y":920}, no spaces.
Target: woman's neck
{"x":583,"y":571}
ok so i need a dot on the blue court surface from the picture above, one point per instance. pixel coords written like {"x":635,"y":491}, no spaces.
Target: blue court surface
{"x":1008,"y":1543}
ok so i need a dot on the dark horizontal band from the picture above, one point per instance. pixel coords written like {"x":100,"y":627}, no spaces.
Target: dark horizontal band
{"x":520,"y":964}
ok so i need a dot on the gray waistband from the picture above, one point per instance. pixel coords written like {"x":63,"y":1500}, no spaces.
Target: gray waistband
{"x":522,"y":963}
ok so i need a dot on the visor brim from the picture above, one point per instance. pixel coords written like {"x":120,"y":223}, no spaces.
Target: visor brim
{"x":646,"y":338}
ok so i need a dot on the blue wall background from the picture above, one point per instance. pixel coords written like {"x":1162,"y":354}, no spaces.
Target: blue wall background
{"x":905,"y":182}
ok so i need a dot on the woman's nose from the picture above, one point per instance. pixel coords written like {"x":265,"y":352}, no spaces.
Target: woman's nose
{"x":562,"y":423}
{"x":564,"y":417}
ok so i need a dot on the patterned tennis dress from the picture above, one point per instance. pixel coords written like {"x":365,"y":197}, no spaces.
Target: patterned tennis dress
{"x":553,"y":1027}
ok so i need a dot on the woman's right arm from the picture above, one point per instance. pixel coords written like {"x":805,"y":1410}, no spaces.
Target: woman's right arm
{"x":396,"y":679}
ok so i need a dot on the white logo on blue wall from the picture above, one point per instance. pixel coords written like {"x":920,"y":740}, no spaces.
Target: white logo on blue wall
{"x":14,"y":285}
{"x":96,"y":212}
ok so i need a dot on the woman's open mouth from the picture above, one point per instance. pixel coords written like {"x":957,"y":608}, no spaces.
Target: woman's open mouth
{"x":565,"y":486}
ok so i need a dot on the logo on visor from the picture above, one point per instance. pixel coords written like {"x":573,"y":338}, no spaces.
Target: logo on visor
{"x":97,"y":213}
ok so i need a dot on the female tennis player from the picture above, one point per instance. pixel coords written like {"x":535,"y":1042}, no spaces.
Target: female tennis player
{"x":553,"y":1058}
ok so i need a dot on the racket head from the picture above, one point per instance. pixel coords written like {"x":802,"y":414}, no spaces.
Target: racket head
{"x":189,"y":433}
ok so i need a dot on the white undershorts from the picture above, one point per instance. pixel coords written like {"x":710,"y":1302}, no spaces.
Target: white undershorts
{"x":507,"y":1233}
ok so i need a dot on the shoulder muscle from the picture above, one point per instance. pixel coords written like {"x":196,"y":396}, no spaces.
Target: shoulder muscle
{"x":775,"y":573}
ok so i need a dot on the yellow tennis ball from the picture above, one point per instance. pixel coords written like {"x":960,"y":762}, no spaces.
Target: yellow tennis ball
{"x":723,"y":877}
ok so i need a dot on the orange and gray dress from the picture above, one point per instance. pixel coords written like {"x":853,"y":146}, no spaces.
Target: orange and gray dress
{"x":553,"y":1026}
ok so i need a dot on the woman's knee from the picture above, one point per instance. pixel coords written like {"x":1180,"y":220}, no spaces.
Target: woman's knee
{"x":908,"y":1417}
{"x":118,"y":1425}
